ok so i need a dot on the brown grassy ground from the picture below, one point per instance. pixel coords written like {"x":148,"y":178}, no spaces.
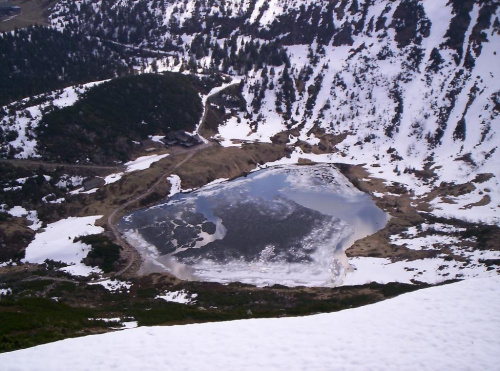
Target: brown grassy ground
{"x":405,"y":212}
{"x":32,"y":12}
{"x":205,"y":166}
{"x":14,"y":237}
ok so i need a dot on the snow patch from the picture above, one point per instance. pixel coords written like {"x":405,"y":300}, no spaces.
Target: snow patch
{"x":175,"y":184}
{"x":56,"y":243}
{"x":432,"y":270}
{"x":114,"y":285}
{"x":32,"y":216}
{"x":181,"y":297}
{"x":5,"y":292}
{"x":141,"y":163}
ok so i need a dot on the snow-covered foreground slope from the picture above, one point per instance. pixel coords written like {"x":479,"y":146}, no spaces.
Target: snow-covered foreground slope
{"x":453,"y":327}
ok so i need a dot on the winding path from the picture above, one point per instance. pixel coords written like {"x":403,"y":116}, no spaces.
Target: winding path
{"x":132,"y":255}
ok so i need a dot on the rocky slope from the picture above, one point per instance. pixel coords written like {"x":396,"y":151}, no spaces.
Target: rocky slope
{"x":411,"y":83}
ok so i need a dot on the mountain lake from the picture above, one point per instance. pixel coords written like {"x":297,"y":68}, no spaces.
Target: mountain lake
{"x":287,"y":225}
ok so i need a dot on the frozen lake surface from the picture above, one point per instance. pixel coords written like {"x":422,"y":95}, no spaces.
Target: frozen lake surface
{"x":284,"y":225}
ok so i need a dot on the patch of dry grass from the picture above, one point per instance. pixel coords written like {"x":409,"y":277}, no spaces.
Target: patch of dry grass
{"x":33,"y":12}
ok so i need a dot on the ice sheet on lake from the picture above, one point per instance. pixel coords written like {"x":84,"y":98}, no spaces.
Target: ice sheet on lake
{"x":286,"y":225}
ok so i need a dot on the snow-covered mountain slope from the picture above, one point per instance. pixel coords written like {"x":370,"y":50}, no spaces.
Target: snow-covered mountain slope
{"x":23,"y":117}
{"x":452,"y":327}
{"x":411,"y":83}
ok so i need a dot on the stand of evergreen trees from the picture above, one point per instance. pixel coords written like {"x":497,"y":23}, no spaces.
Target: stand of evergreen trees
{"x":40,"y":59}
{"x":101,"y":127}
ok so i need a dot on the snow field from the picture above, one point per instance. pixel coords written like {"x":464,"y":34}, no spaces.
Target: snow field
{"x":432,"y":270}
{"x":56,"y":243}
{"x":451,"y":327}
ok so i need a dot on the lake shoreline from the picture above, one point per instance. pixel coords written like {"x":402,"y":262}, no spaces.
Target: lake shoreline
{"x":320,"y":188}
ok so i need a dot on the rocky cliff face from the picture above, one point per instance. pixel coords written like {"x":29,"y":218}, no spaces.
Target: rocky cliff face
{"x":410,"y":84}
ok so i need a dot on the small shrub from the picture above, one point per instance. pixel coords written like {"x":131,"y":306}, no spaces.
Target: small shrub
{"x":103,"y":254}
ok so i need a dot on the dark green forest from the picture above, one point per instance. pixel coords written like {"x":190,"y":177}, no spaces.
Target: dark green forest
{"x":101,"y":127}
{"x":40,"y":59}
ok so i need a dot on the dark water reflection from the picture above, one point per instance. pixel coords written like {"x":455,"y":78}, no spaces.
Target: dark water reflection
{"x":287,"y":225}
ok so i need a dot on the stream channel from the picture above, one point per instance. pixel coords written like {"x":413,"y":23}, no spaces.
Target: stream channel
{"x":287,"y":225}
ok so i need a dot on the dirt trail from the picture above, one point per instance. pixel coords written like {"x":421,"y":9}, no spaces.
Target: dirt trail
{"x":53,"y":165}
{"x":131,"y":254}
